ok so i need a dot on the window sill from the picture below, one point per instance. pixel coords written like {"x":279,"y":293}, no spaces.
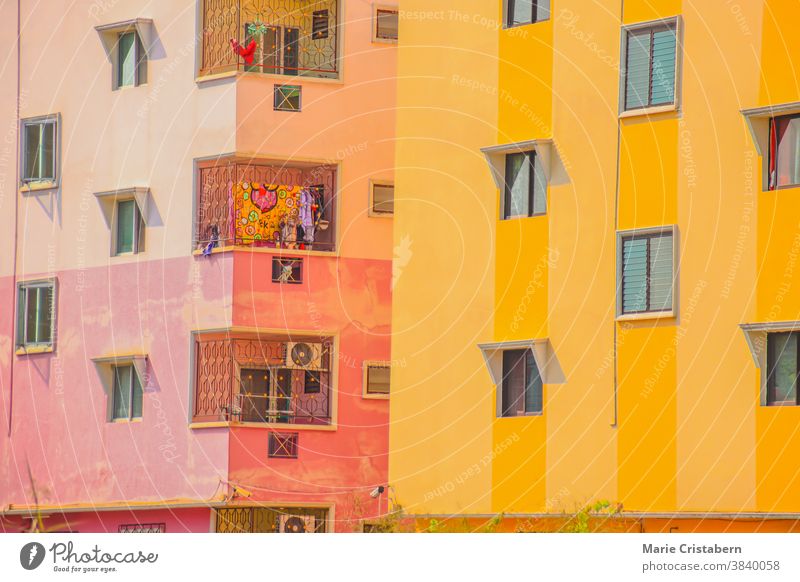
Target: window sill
{"x":371,"y":214}
{"x":653,"y":315}
{"x":287,"y":79}
{"x":264,"y":425}
{"x":526,"y":415}
{"x":507,"y":26}
{"x":124,"y":420}
{"x":34,"y":350}
{"x":648,"y":111}
{"x":376,"y":40}
{"x":269,"y":251}
{"x":37,"y":186}
{"x":366,"y":396}
{"x":523,"y":217}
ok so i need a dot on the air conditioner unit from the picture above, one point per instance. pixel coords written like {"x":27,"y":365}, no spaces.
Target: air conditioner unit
{"x":304,"y":356}
{"x":297,"y":524}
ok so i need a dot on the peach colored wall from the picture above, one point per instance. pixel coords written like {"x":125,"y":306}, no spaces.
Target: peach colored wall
{"x":196,"y":520}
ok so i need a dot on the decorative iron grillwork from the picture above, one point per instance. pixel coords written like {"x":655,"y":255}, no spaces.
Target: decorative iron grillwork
{"x":221,"y":396}
{"x":215,"y":202}
{"x":142,"y":528}
{"x":293,"y":37}
{"x":272,"y":520}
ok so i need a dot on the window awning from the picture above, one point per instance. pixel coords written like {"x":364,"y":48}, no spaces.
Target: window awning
{"x":756,"y":336}
{"x":549,"y":368}
{"x":105,"y":365}
{"x":108,"y":199}
{"x":758,"y":122}
{"x":554,"y":171}
{"x":109,"y":33}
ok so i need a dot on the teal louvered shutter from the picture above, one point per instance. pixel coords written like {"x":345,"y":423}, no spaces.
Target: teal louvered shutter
{"x":661,"y":258}
{"x":637,"y":70}
{"x":662,"y":84}
{"x":634,"y":275}
{"x":539,"y":187}
{"x":533,"y":385}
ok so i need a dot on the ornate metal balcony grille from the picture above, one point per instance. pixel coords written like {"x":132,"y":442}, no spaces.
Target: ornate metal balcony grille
{"x":142,"y":528}
{"x":272,"y":520}
{"x":293,"y":37}
{"x":221,"y":397}
{"x":215,"y":204}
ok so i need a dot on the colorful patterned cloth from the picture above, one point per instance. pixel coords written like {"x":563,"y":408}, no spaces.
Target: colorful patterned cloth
{"x":269,"y":213}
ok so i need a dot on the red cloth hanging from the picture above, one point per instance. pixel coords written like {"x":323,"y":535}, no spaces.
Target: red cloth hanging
{"x":773,"y":154}
{"x":248,"y":54}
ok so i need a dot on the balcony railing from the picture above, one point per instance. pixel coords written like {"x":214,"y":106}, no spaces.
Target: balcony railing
{"x":292,"y":37}
{"x":262,"y":381}
{"x":272,"y":520}
{"x":266,"y":205}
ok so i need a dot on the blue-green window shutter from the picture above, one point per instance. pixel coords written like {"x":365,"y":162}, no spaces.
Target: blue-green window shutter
{"x":662,"y":84}
{"x":661,"y":258}
{"x":634,"y":275}
{"x":637,"y":70}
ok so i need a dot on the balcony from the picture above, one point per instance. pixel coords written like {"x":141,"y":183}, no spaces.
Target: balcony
{"x":292,"y":37}
{"x":272,"y":205}
{"x":271,"y":520}
{"x":270,"y":381}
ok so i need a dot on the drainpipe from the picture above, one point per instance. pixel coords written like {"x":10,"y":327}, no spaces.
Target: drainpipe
{"x":16,"y":232}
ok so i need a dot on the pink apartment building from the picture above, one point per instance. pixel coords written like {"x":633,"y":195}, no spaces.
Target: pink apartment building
{"x":196,"y":267}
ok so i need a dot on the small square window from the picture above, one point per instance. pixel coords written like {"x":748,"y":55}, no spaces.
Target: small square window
{"x":520,"y":12}
{"x":377,"y":379}
{"x":131,"y":63}
{"x":283,"y":445}
{"x":319,"y":25}
{"x":40,"y":150}
{"x":288,"y":97}
{"x":35,"y":314}
{"x":129,"y":228}
{"x":127,"y":393}
{"x":386,"y":25}
{"x":522,"y":384}
{"x":287,"y":270}
{"x":646,"y":265}
{"x":525,"y":186}
{"x":784,"y":151}
{"x":783,"y":357}
{"x":382,"y":203}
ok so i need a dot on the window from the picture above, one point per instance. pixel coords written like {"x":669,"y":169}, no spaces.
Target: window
{"x":650,"y":66}
{"x":522,"y":384}
{"x":35,"y":314}
{"x":287,"y":271}
{"x":129,"y":228}
{"x":647,"y":270}
{"x":519,"y":12}
{"x":525,"y":186}
{"x":319,"y":25}
{"x":382,"y":203}
{"x":282,"y":446}
{"x":287,"y":97}
{"x":277,"y":49}
{"x":782,"y":368}
{"x":40,"y":150}
{"x":377,"y":378}
{"x":127,"y":393}
{"x":142,"y":528}
{"x":386,"y":25}
{"x":131,"y":65}
{"x":784,"y":151}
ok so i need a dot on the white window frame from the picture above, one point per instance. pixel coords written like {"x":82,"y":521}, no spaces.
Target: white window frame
{"x":21,"y":344}
{"x":389,"y":8}
{"x":365,"y":383}
{"x":37,"y":184}
{"x":676,"y":103}
{"x":623,"y":234}
{"x":371,"y":210}
{"x":110,"y":35}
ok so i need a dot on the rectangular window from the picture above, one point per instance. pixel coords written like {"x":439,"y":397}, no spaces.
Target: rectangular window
{"x":132,"y":60}
{"x":287,"y":97}
{"x":784,"y":151}
{"x":35,"y":314}
{"x":319,"y":25}
{"x":386,"y":24}
{"x":647,"y":272}
{"x":521,"y":12}
{"x":129,"y":228}
{"x":287,"y":271}
{"x":525,"y":186}
{"x":282,"y":446}
{"x":127,"y":393}
{"x":522,"y":384}
{"x":39,"y":143}
{"x":382,"y":199}
{"x":782,"y":368}
{"x":650,"y":65}
{"x":378,"y":379}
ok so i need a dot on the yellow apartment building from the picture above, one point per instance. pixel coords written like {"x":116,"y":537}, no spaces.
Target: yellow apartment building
{"x":598,"y":208}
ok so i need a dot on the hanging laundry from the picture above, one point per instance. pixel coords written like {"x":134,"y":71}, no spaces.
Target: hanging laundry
{"x":248,"y":54}
{"x":274,"y":215}
{"x":213,"y":242}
